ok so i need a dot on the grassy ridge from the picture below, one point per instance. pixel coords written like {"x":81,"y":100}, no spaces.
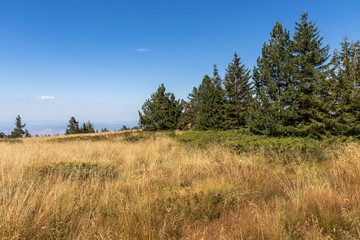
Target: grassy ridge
{"x":152,"y":186}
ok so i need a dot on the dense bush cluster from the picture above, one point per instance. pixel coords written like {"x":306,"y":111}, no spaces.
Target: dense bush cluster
{"x":296,"y":89}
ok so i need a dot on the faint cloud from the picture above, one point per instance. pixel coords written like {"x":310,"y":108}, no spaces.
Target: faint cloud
{"x":143,"y":50}
{"x":45,"y":97}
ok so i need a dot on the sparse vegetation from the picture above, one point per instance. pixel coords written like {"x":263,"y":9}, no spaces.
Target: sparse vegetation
{"x":158,"y":186}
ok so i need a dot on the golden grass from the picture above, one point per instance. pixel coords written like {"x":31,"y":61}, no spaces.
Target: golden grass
{"x":157,"y":188}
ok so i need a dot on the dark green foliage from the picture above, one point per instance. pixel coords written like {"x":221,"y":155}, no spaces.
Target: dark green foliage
{"x":216,"y":79}
{"x":311,"y":84}
{"x":346,"y":89}
{"x":237,"y":93}
{"x":296,"y":93}
{"x":124,"y":128}
{"x":161,"y":112}
{"x":137,"y":138}
{"x":273,"y":111}
{"x":293,"y":88}
{"x":87,"y":128}
{"x":209,"y":106}
{"x":104,"y":130}
{"x":282,"y":149}
{"x":190,"y":110}
{"x":18,"y":131}
{"x":83,"y":128}
{"x":27,"y":134}
{"x":73,"y":126}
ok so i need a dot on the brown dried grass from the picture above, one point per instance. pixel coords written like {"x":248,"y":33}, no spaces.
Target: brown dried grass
{"x":157,"y":188}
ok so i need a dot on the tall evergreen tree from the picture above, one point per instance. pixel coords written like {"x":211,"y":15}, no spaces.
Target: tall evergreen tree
{"x":73,"y":126}
{"x":209,"y":106}
{"x":18,"y":131}
{"x":311,"y":80}
{"x":216,"y":79}
{"x":346,"y":89}
{"x":188,"y":116}
{"x":237,"y":93}
{"x":161,"y":112}
{"x":273,"y":110}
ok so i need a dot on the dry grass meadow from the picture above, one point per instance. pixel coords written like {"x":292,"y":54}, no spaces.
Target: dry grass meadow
{"x":150,"y":186}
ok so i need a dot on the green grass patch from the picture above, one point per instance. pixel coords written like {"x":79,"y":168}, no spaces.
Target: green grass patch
{"x":138,"y":137}
{"x":107,"y":137}
{"x":11,"y":140}
{"x":285,"y":148}
{"x":79,"y":171}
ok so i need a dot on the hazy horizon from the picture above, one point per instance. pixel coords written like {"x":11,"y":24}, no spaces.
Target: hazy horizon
{"x":42,"y":128}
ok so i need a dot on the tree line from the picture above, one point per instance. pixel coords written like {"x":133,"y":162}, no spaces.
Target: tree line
{"x":296,"y":89}
{"x":72,"y":128}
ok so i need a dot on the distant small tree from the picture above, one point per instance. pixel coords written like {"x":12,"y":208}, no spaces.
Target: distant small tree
{"x":89,"y":127}
{"x":27,"y":134}
{"x":83,"y":129}
{"x":73,"y":126}
{"x":104,"y":130}
{"x":18,"y":131}
{"x":124,"y":128}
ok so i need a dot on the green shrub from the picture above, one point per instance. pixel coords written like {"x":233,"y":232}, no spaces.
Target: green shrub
{"x":283,"y":148}
{"x":137,"y":138}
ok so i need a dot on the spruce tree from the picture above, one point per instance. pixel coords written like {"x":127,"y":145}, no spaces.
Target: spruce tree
{"x":216,"y":79}
{"x":83,"y":129}
{"x":346,"y":89}
{"x":27,"y":134}
{"x":190,"y":111}
{"x":18,"y":131}
{"x":311,"y":80}
{"x":73,"y":126}
{"x":273,"y":111}
{"x":161,"y":112}
{"x":237,"y":93}
{"x":209,"y":106}
{"x":89,"y":127}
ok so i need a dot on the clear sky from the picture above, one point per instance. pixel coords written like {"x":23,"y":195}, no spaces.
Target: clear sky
{"x":100,"y":60}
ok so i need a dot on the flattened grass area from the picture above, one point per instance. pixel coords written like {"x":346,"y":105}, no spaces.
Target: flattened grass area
{"x":179,"y":185}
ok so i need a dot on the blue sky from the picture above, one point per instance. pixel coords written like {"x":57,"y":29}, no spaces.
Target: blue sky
{"x":100,"y":60}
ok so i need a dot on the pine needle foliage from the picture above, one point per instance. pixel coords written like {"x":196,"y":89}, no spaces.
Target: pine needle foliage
{"x":237,"y":88}
{"x":161,"y":112}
